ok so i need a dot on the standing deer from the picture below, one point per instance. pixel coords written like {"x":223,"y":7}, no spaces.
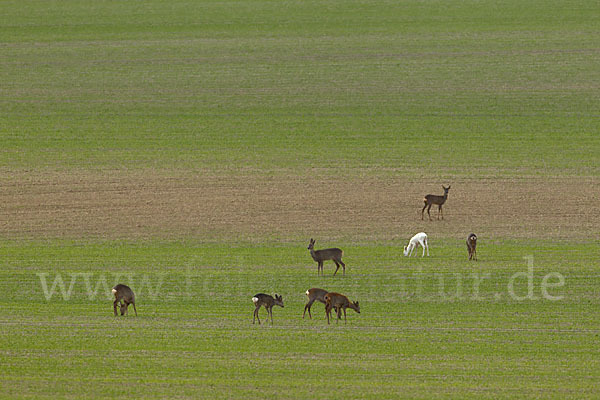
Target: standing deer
{"x":419,"y":239}
{"x":472,"y":246}
{"x":123,"y":292}
{"x":314,"y":294}
{"x":268,"y":301}
{"x":339,"y":302}
{"x":319,"y":256}
{"x":432,"y":199}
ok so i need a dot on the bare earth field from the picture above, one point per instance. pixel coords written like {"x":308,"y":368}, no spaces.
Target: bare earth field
{"x":252,"y":205}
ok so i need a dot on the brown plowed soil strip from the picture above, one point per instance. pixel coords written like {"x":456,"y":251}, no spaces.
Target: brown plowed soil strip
{"x":253,"y":205}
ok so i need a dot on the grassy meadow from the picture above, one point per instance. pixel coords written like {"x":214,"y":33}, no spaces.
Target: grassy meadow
{"x":190,"y":149}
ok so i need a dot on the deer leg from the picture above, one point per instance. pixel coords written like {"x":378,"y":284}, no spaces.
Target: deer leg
{"x":327,"y":311}
{"x":423,"y":246}
{"x":270,"y":310}
{"x":428,"y":213}
{"x":337,"y":267}
{"x":423,"y":210}
{"x":343,"y":266}
{"x":344,"y":315}
{"x":307,"y":307}
{"x":134,"y":309}
{"x":256,"y":314}
{"x":115,"y":306}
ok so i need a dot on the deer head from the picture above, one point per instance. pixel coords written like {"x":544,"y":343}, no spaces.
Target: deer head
{"x":279,"y":300}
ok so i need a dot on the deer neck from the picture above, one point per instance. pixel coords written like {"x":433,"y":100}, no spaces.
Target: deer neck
{"x":344,"y":302}
{"x":314,"y":254}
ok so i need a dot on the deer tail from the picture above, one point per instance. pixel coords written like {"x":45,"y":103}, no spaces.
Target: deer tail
{"x":114,"y":291}
{"x":307,"y":292}
{"x":255,"y":300}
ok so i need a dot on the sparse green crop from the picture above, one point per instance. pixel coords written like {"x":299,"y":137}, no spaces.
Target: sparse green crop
{"x":423,"y":90}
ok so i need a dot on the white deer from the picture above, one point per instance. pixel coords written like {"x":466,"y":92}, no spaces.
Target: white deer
{"x":419,"y":239}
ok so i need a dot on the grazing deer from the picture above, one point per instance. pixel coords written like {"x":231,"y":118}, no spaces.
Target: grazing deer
{"x":313,"y":295}
{"x":124,"y":293}
{"x":472,"y":246}
{"x":415,"y":241}
{"x":432,"y":199}
{"x":268,"y":301}
{"x":339,"y":302}
{"x":319,"y":256}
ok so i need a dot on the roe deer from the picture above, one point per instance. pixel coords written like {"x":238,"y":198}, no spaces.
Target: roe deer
{"x":432,"y":199}
{"x":314,"y":294}
{"x":472,"y":246}
{"x":419,"y":239}
{"x":123,"y":292}
{"x":339,"y":302}
{"x":319,"y":256}
{"x":268,"y":301}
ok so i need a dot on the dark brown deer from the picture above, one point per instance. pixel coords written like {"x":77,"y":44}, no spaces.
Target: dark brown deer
{"x":340,"y":303}
{"x":125,"y":294}
{"x":432,"y":199}
{"x":268,"y":301}
{"x":319,"y":256}
{"x":472,"y":246}
{"x":314,"y":294}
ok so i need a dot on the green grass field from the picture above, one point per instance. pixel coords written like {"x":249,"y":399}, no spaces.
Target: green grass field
{"x":255,"y":102}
